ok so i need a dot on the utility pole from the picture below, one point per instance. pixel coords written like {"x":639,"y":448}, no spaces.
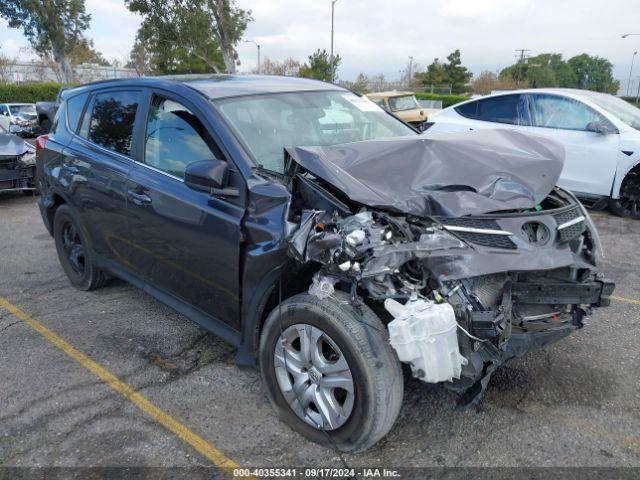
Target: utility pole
{"x":410,"y":71}
{"x":258,"y":46}
{"x":638,"y":94}
{"x":333,"y":2}
{"x":520,"y":61}
{"x":631,"y":71}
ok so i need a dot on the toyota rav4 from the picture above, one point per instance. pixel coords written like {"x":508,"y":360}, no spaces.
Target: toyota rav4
{"x":321,"y":237}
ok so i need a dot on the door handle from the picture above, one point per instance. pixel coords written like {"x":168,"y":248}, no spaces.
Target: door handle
{"x":139,"y":198}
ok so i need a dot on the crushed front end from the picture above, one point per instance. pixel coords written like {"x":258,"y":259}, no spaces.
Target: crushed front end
{"x":501,"y":283}
{"x":17,"y":164}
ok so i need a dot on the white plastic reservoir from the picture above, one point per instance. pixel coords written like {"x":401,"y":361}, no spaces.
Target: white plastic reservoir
{"x":423,"y":333}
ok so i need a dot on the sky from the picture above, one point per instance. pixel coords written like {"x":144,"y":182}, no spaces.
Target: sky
{"x":378,"y":36}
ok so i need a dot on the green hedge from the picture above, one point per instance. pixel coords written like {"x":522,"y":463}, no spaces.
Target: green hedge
{"x":28,"y":92}
{"x":447,"y":100}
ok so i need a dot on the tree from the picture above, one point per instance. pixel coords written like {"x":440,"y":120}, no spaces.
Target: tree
{"x":360,"y":85}
{"x":435,"y":74}
{"x":139,"y":59}
{"x":83,"y":52}
{"x":52,"y":27}
{"x":378,"y":83}
{"x":190,"y":36}
{"x":550,"y":70}
{"x":289,"y":68}
{"x":230,"y":23}
{"x":450,"y":73}
{"x":593,"y":73}
{"x":318,"y":66}
{"x":457,"y":75}
{"x":5,"y":68}
{"x":488,"y":81}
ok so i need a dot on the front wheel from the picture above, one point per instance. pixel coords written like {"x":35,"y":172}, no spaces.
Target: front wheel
{"x":330,"y":371}
{"x":628,"y":205}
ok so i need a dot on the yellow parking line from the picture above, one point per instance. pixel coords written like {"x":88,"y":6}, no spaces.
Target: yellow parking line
{"x":218,"y":458}
{"x":623,"y":299}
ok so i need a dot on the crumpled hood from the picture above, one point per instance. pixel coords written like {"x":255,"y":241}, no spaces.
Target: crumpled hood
{"x":453,"y":175}
{"x":12,"y":145}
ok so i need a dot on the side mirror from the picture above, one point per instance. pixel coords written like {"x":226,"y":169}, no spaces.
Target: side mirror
{"x":209,"y":176}
{"x":601,"y":127}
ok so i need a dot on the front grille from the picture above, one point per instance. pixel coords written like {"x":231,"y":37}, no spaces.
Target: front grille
{"x":484,"y":239}
{"x":8,"y":161}
{"x":573,"y":231}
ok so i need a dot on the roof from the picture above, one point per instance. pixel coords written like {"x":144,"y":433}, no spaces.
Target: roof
{"x":392,"y":93}
{"x":576,"y":92}
{"x":223,"y":86}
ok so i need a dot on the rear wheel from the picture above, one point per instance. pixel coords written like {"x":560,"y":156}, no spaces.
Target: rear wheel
{"x":74,"y":252}
{"x":330,"y":371}
{"x":628,"y":205}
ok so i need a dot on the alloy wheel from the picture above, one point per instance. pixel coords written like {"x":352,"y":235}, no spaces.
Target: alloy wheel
{"x":73,"y":248}
{"x":314,"y":377}
{"x":630,"y":195}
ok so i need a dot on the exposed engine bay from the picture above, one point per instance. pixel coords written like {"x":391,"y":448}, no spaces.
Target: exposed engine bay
{"x":460,"y":294}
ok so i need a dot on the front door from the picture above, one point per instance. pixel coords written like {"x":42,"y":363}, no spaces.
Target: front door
{"x":184,"y":242}
{"x":590,"y":157}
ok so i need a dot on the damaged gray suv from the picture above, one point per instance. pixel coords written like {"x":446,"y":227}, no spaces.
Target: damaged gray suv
{"x":321,"y":237}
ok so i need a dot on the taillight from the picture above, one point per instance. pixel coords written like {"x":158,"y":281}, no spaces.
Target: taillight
{"x":41,"y":142}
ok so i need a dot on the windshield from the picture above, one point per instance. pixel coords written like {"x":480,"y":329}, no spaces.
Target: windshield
{"x":618,"y":108}
{"x":18,"y":109}
{"x":403,"y":103}
{"x":269,"y":123}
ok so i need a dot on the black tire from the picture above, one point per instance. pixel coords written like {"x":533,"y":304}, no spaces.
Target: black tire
{"x":74,"y":251}
{"x":374,"y":366}
{"x":628,"y":205}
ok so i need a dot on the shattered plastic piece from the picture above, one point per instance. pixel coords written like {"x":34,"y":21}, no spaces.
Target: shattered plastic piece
{"x":451,"y":175}
{"x":356,"y":237}
{"x":424,"y":334}
{"x":345,"y":266}
{"x":322,"y":286}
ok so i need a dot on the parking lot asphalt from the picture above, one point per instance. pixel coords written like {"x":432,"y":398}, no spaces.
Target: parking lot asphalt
{"x":576,"y":403}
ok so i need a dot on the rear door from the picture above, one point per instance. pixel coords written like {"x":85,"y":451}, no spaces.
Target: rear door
{"x":185,"y":242}
{"x":590,"y":157}
{"x":96,"y":163}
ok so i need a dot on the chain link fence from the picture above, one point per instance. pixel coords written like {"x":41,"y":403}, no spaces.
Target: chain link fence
{"x":18,"y":72}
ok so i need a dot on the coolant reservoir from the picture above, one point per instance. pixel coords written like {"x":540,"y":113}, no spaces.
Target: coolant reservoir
{"x":423,"y":333}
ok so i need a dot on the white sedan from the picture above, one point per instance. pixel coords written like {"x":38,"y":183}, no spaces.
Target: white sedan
{"x":600,"y":134}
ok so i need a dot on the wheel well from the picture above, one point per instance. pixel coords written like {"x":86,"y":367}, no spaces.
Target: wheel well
{"x":634,"y":169}
{"x":293,"y":283}
{"x":57,"y":200}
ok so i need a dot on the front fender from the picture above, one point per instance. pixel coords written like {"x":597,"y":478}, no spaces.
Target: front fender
{"x":627,"y":164}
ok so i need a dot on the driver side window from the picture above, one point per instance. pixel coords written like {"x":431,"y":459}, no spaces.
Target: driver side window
{"x":175,"y":138}
{"x":553,"y":111}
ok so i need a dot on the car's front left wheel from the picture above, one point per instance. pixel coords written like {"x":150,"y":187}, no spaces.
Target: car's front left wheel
{"x":330,"y":371}
{"x":628,"y":205}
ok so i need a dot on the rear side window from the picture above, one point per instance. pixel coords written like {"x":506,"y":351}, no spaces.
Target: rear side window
{"x":175,"y":138}
{"x":509,"y":109}
{"x":74,"y":110}
{"x":110,"y":123}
